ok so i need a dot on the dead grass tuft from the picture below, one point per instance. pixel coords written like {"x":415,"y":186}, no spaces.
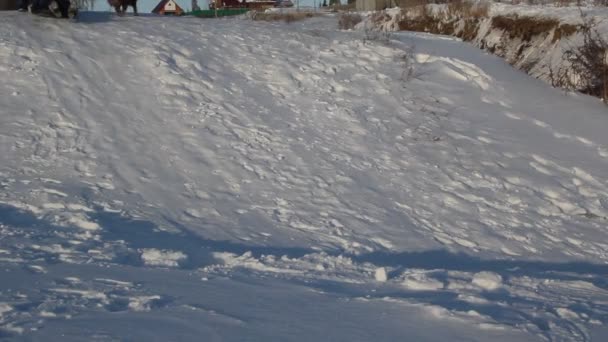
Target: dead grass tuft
{"x":467,"y":9}
{"x":563,"y":31}
{"x":469,"y":32}
{"x":524,"y":27}
{"x":421,"y":19}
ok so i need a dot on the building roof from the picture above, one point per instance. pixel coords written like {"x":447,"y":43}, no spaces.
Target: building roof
{"x":162,"y":4}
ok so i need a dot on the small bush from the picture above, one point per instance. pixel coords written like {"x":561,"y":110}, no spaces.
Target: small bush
{"x":348,"y":21}
{"x":588,"y":62}
{"x":375,"y":35}
{"x":406,"y":62}
{"x":586,"y":66}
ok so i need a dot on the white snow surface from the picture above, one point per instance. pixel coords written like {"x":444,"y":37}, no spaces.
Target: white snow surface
{"x":155,"y":257}
{"x":178,"y":178}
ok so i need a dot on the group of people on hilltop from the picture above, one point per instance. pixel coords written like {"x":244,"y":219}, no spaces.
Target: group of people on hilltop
{"x":59,"y":8}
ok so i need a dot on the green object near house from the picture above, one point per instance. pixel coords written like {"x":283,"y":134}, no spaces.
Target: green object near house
{"x":219,"y":13}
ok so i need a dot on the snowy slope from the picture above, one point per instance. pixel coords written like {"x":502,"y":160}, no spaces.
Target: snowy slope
{"x":165,"y":178}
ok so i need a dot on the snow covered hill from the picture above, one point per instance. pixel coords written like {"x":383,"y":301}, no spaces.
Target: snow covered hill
{"x":178,"y":178}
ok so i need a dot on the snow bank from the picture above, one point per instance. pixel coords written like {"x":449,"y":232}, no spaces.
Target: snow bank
{"x":4,"y":308}
{"x":531,"y":38}
{"x":142,"y":303}
{"x":380,"y":274}
{"x":487,"y":280}
{"x":156,"y":257}
{"x":421,"y":280}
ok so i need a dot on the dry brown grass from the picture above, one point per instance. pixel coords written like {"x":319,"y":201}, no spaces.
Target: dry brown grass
{"x":469,"y":32}
{"x":563,"y":31}
{"x":421,"y":19}
{"x":467,"y":9}
{"x":524,"y":27}
{"x":429,"y":25}
{"x":287,"y":17}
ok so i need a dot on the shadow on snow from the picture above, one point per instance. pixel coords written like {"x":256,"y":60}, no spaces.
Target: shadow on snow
{"x":139,"y":234}
{"x":144,"y":234}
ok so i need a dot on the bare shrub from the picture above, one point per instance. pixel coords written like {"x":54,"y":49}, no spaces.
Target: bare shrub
{"x":375,"y":35}
{"x":585,"y":66}
{"x":588,"y":62}
{"x":348,"y":21}
{"x":406,"y":62}
{"x":559,"y":78}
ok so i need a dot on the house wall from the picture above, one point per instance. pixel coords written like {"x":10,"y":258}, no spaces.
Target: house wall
{"x":170,"y":6}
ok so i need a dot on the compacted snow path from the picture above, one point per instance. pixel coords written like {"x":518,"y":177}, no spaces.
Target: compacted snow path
{"x":165,"y":178}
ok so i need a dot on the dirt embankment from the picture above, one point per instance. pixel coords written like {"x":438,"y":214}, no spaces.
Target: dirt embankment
{"x":533,"y":44}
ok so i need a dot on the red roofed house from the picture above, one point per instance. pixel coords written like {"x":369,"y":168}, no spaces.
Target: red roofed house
{"x":168,"y":7}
